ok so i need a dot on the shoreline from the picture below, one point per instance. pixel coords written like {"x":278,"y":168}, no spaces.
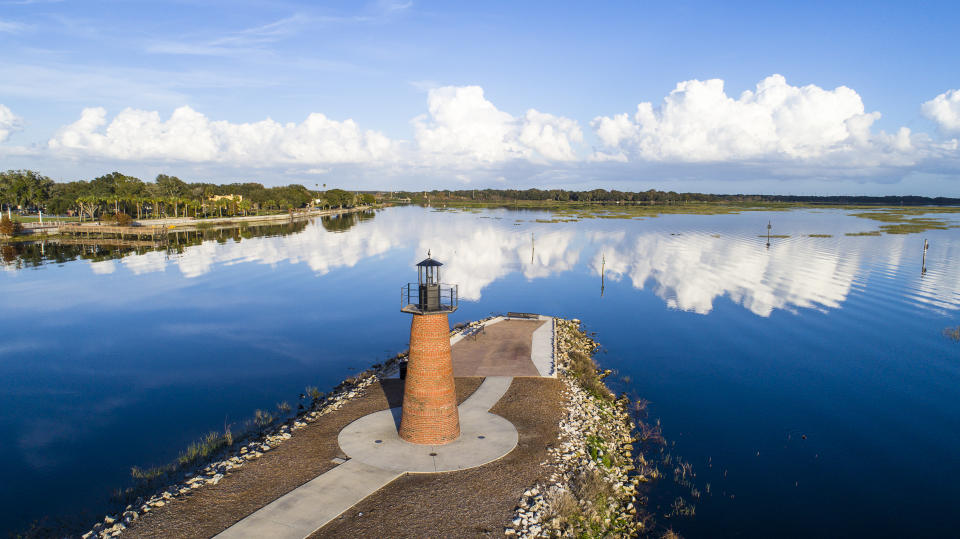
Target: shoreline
{"x":186,"y":224}
{"x":588,"y":482}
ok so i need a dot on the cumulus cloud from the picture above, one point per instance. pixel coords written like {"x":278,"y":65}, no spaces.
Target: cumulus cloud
{"x":944,"y":110}
{"x":464,"y":127}
{"x":699,"y":122}
{"x":793,"y":130}
{"x":190,"y":136}
{"x":9,"y":122}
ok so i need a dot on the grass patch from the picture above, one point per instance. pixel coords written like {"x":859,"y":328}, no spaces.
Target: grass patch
{"x":904,"y":221}
{"x":46,"y":219}
{"x":867,"y":233}
{"x":585,"y":371}
{"x":820,"y":235}
{"x":916,"y":225}
{"x":205,"y":447}
{"x":195,"y":452}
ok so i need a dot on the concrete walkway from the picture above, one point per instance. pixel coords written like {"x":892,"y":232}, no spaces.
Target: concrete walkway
{"x":302,"y":511}
{"x":541,"y":348}
{"x":504,"y":349}
{"x":377,"y":457}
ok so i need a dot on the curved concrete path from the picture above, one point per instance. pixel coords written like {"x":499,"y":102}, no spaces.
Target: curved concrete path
{"x":378,"y":456}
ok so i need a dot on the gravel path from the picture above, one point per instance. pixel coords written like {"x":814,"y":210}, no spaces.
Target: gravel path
{"x":471,"y":503}
{"x":307,"y":454}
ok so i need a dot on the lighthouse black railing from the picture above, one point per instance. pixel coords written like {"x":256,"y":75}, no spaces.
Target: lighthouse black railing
{"x":443,"y":298}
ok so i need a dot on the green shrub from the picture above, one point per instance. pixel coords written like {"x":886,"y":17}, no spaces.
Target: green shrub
{"x":119,"y":219}
{"x":9,"y":227}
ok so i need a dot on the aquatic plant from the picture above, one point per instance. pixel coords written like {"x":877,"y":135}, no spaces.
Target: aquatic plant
{"x":262,"y":418}
{"x":196,"y":451}
{"x":681,"y":508}
{"x":899,"y":222}
{"x":205,"y":447}
{"x":283,"y":407}
{"x":952,"y":333}
{"x":314,"y":393}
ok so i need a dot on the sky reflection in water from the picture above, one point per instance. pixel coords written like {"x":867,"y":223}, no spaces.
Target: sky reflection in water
{"x":741,"y":348}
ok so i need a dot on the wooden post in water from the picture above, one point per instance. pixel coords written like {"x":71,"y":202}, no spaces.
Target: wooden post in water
{"x":769,"y":226}
{"x":923,"y":266}
{"x":603,"y":270}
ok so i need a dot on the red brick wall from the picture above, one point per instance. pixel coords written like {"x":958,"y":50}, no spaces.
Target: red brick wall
{"x":429,"y":399}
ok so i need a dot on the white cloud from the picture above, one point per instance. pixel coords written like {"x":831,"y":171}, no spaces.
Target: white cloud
{"x":699,"y":122}
{"x":945,"y":110}
{"x":190,"y":136}
{"x":464,"y":128}
{"x":9,"y":122}
{"x":777,"y":129}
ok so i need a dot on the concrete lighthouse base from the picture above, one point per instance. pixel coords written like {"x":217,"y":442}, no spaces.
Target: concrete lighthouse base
{"x":430,"y":415}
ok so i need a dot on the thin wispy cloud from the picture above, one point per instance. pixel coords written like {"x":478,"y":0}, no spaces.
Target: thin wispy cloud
{"x":101,"y":84}
{"x":241,"y":41}
{"x":248,"y":40}
{"x":13,"y":27}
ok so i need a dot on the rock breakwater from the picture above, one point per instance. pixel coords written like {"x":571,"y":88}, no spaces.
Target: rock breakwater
{"x":595,"y":468}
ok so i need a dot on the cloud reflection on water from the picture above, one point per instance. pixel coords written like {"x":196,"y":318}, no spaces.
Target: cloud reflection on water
{"x":689,"y":271}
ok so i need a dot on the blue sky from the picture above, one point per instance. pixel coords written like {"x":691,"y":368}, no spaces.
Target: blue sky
{"x":409,"y":94}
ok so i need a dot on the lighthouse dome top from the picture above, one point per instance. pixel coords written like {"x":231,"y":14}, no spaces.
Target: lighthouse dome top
{"x":429,"y":262}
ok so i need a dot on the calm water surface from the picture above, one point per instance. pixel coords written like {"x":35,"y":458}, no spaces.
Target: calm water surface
{"x":808,"y":383}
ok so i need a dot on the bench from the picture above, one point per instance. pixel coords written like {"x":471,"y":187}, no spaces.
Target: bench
{"x":473,"y":332}
{"x":523,"y":315}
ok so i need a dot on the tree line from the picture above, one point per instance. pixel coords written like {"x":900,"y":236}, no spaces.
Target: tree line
{"x":166,"y":196}
{"x":652,"y":196}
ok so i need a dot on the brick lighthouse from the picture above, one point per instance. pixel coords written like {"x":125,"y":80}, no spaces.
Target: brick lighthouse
{"x":430,"y":413}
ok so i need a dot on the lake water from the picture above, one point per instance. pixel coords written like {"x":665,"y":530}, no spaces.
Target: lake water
{"x":808,"y":382}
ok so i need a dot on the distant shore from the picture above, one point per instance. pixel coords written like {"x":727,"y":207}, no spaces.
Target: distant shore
{"x":50,"y":229}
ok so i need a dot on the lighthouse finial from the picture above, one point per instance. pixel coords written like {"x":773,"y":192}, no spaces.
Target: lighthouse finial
{"x":428,"y":253}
